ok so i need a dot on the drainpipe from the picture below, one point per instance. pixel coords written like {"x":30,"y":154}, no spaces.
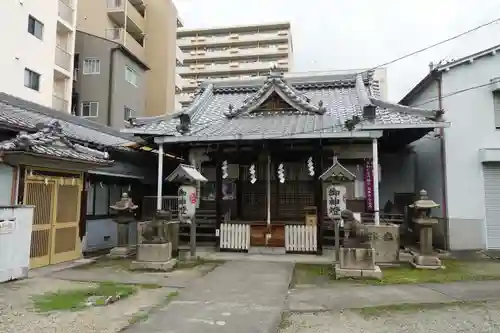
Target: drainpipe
{"x":110,"y":83}
{"x":444,"y":206}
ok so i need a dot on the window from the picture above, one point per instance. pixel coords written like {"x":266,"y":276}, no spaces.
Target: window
{"x":91,"y":66}
{"x":31,"y":79}
{"x":103,"y":193}
{"x":131,"y":76}
{"x":128,"y":113}
{"x":35,"y":27}
{"x":496,"y":106}
{"x":89,"y":109}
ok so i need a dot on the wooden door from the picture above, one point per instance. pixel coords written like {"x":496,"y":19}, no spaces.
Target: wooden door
{"x":40,"y":193}
{"x":65,"y":227}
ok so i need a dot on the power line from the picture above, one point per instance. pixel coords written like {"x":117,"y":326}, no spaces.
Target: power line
{"x":456,"y":93}
{"x":433,"y":45}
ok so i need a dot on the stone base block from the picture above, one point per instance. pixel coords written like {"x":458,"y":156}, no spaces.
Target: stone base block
{"x":166,"y":266}
{"x":357,"y":258}
{"x":121,"y":252}
{"x":426,"y":262}
{"x":342,"y":273}
{"x":154,"y":252}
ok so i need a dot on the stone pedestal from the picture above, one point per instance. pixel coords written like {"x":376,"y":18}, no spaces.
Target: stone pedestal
{"x":154,"y":257}
{"x":426,"y":258}
{"x":385,"y":242}
{"x":357,"y":263}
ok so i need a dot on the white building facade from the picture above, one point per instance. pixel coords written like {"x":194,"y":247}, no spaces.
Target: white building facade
{"x":460,"y":167}
{"x":37,"y":60}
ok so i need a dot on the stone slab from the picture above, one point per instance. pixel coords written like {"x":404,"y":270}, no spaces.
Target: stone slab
{"x":266,"y":250}
{"x":165,"y":266}
{"x":236,"y":297}
{"x":357,"y":258}
{"x":426,"y":262}
{"x":375,"y":273}
{"x":121,"y":252}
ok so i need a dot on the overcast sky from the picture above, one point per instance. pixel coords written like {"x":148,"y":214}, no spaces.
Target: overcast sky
{"x":347,"y":34}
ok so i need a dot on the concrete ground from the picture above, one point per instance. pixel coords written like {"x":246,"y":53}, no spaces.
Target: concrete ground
{"x":474,"y":318}
{"x":239,"y":296}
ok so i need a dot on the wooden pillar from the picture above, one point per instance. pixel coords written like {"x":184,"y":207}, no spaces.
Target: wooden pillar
{"x":218,"y":192}
{"x":318,"y":194}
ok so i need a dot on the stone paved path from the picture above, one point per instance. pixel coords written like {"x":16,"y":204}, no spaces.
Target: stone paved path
{"x":237,"y":297}
{"x":345,"y":297}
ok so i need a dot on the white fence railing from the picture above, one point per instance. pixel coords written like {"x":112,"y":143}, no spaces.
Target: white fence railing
{"x":301,"y":238}
{"x":235,"y":236}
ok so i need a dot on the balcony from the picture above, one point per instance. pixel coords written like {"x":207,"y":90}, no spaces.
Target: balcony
{"x":63,"y":58}
{"x":179,"y":55}
{"x":232,"y":68}
{"x":65,"y":11}
{"x":124,"y":14}
{"x":120,"y":36}
{"x":236,"y":53}
{"x":231,"y":40}
{"x":59,"y":103}
{"x":179,"y":83}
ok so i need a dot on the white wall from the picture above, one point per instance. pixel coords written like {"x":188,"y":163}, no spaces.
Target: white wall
{"x":6,"y":173}
{"x":21,"y":49}
{"x":429,"y":175}
{"x":473,"y":128}
{"x":103,"y":234}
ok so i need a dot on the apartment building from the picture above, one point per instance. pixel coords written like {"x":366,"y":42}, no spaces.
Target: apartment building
{"x":232,"y":52}
{"x":109,"y":85}
{"x":145,"y":30}
{"x":37,"y":64}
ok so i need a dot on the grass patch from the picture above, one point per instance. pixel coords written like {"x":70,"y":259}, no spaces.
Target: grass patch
{"x":416,"y":307}
{"x":285,"y":322}
{"x":455,"y":270}
{"x":72,"y":300}
{"x":138,"y":317}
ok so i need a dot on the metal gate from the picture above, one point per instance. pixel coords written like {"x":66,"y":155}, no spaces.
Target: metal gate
{"x":55,"y":237}
{"x":492,"y":204}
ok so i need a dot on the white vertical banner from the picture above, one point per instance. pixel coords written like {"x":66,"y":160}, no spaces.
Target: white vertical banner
{"x":336,"y":200}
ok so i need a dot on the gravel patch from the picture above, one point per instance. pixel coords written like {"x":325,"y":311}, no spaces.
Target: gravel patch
{"x":473,"y":318}
{"x":17,"y":313}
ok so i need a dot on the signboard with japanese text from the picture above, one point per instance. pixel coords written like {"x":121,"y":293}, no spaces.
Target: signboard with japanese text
{"x":368,"y":178}
{"x":187,"y":199}
{"x":336,"y":200}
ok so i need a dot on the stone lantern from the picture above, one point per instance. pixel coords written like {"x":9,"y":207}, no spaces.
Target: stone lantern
{"x":422,"y":207}
{"x":125,"y":210}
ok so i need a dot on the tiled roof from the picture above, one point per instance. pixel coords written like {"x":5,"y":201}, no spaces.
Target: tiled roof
{"x":321,"y":105}
{"x":23,"y":115}
{"x":50,"y":141}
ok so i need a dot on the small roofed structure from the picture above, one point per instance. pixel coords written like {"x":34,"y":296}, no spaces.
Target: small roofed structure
{"x":185,"y":173}
{"x":49,"y":146}
{"x":337,"y":172}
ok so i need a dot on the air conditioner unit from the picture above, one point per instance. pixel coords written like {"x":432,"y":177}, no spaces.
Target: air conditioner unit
{"x":234,"y":64}
{"x":202,"y":52}
{"x":234,"y":51}
{"x":234,"y":36}
{"x":192,"y":53}
{"x":283,"y":33}
{"x":282,"y":47}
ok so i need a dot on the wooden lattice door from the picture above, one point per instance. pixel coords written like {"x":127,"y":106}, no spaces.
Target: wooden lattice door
{"x":40,"y":194}
{"x":65,"y":237}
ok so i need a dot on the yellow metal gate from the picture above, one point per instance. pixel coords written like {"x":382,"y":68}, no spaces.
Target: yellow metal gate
{"x":55,"y":236}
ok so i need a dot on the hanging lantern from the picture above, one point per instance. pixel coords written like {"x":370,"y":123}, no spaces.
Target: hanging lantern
{"x":310,"y":166}
{"x":281,"y":173}
{"x":224,"y":169}
{"x":253,"y":177}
